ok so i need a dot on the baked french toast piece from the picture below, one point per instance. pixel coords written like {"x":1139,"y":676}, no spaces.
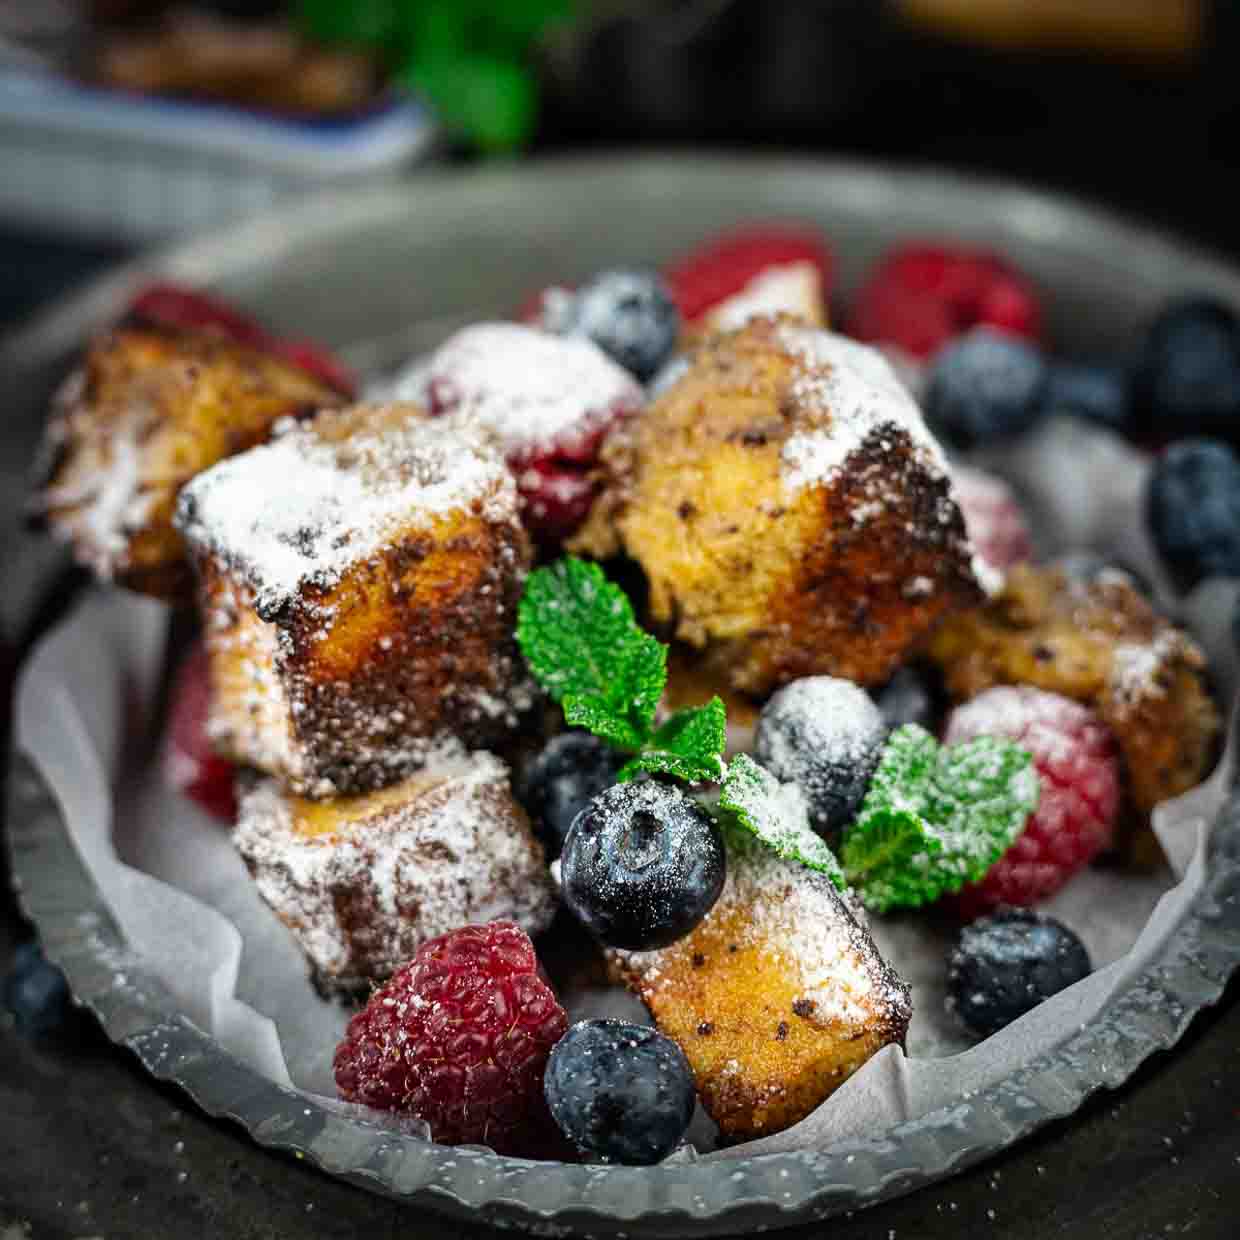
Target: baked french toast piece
{"x":359,"y":580}
{"x":791,"y":512}
{"x":776,"y":998}
{"x":1101,"y":644}
{"x":147,"y":410}
{"x":364,"y":881}
{"x":794,"y":289}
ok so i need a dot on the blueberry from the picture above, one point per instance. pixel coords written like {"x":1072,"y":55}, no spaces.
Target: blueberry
{"x":1095,"y":391}
{"x":621,"y":1092}
{"x":572,"y":769}
{"x":35,"y":992}
{"x":826,"y":736}
{"x":913,"y":695}
{"x":642,"y":865}
{"x":1193,"y":509}
{"x":985,"y":386}
{"x":631,"y":316}
{"x":1008,"y":963}
{"x":1187,"y":376}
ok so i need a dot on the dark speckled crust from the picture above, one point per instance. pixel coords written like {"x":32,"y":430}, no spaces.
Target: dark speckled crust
{"x":841,"y":576}
{"x":178,"y":402}
{"x":349,"y":686}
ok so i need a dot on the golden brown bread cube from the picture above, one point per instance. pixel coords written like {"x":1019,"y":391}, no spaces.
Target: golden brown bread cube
{"x":1102,"y":644}
{"x":148,"y":409}
{"x":791,"y":512}
{"x":364,"y":881}
{"x":359,"y":582}
{"x":776,"y":998}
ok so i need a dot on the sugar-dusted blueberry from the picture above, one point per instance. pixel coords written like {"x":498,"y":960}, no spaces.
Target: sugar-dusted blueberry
{"x":569,"y":772}
{"x":987,"y":385}
{"x":630,"y":315}
{"x":1187,"y":376}
{"x":914,"y":694}
{"x":1006,"y":964}
{"x":642,"y":865}
{"x":825,"y":735}
{"x":1193,"y":507}
{"x":1096,"y":391}
{"x":35,"y":992}
{"x":620,"y":1092}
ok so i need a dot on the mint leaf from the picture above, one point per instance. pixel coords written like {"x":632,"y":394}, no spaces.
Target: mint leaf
{"x":688,"y":745}
{"x":777,"y":814}
{"x":577,"y":632}
{"x":936,"y":818}
{"x":692,"y":769}
{"x":598,"y":716}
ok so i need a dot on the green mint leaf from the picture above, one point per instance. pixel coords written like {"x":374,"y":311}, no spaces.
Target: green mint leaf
{"x":697,"y":731}
{"x":777,"y":814}
{"x":598,"y":716}
{"x":936,"y":818}
{"x":577,"y":632}
{"x":691,"y":768}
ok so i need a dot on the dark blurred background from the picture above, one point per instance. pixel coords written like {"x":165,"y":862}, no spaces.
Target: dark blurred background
{"x":104,"y":104}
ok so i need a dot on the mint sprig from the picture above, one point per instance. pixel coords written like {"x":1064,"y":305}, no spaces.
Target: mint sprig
{"x":688,"y":745}
{"x":581,"y":641}
{"x":936,"y":817}
{"x":777,"y":814}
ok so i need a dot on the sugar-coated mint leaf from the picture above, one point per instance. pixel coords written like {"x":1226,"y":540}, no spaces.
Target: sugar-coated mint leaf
{"x":598,"y":717}
{"x":691,"y":768}
{"x":936,"y":818}
{"x":882,"y":856}
{"x":700,"y":731}
{"x":777,"y":814}
{"x":577,"y":632}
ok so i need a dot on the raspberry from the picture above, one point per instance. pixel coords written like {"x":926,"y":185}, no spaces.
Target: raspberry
{"x":170,"y":305}
{"x":1079,"y":769}
{"x":922,"y":295}
{"x":549,"y":401}
{"x":190,"y":764}
{"x":992,"y":517}
{"x":723,"y":266}
{"x":459,"y":1037}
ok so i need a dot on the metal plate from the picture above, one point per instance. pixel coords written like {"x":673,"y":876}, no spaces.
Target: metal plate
{"x":383,"y":274}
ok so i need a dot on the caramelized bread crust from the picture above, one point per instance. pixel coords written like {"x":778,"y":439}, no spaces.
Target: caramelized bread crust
{"x":1101,"y":644}
{"x":362,"y":615}
{"x":149,"y":409}
{"x":419,"y":648}
{"x":776,"y":998}
{"x":774,"y":578}
{"x":364,"y":881}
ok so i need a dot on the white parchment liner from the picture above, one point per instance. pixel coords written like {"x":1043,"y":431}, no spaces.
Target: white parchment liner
{"x":185,"y":903}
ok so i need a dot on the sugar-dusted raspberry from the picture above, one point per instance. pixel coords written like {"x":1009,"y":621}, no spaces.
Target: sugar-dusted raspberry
{"x":723,"y":266}
{"x":993,"y":518}
{"x":548,"y":400}
{"x":1078,"y":765}
{"x":459,"y":1037}
{"x":922,"y":295}
{"x":187,"y":309}
{"x":190,"y":764}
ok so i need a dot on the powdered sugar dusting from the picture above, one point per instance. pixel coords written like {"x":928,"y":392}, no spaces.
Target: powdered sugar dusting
{"x":448,"y":848}
{"x":1138,"y":669}
{"x":786,"y":288}
{"x":528,"y":388}
{"x":305,"y":507}
{"x":798,"y":918}
{"x":849,"y":392}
